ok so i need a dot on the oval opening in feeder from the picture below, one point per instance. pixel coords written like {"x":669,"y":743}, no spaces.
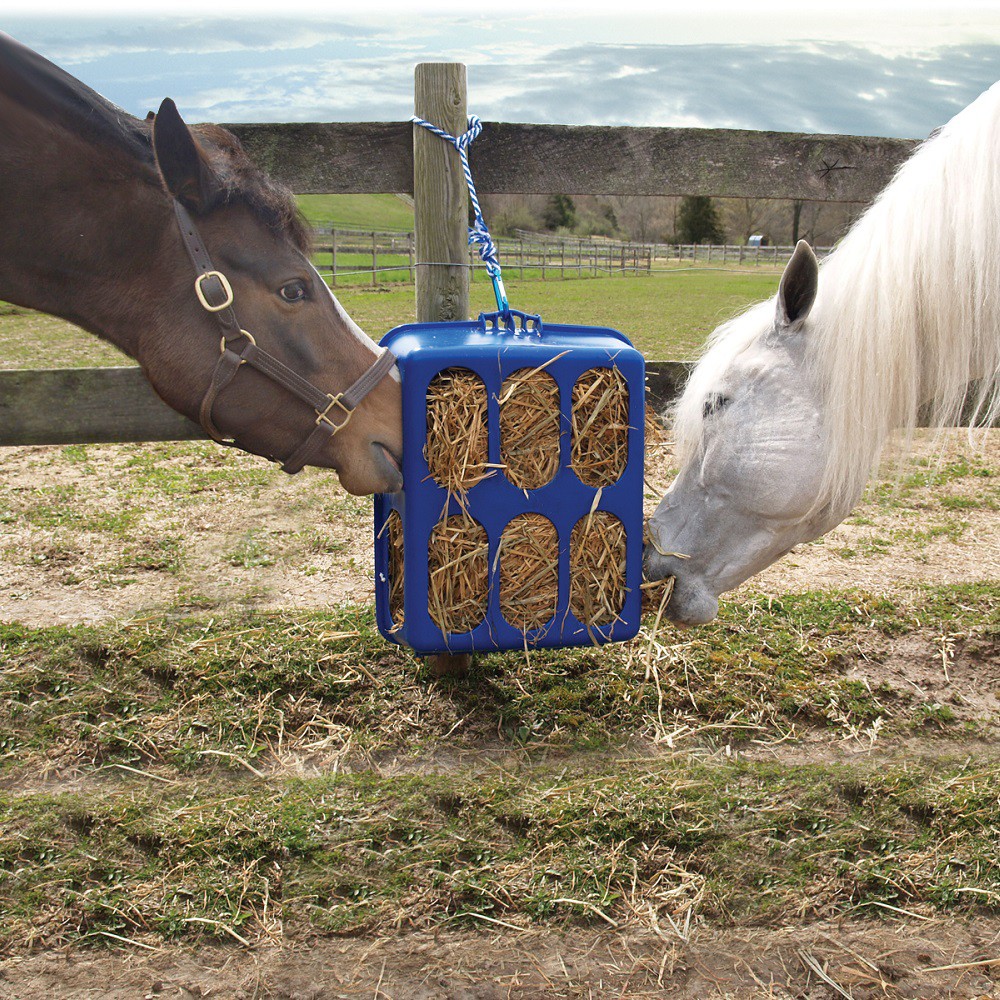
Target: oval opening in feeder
{"x":529,"y":571}
{"x":457,"y":440}
{"x":457,"y":573}
{"x":394,"y":528}
{"x":600,"y":426}
{"x":529,"y":427}
{"x":597,"y":554}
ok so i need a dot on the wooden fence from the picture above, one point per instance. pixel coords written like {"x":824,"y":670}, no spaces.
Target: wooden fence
{"x":100,"y":405}
{"x":365,"y":256}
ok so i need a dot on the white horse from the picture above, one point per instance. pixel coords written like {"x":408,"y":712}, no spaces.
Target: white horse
{"x":786,"y":414}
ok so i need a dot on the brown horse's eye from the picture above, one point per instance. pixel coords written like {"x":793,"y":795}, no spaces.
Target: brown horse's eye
{"x":294,"y":291}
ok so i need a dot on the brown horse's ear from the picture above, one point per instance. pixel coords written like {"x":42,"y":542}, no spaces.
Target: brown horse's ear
{"x":183,"y":166}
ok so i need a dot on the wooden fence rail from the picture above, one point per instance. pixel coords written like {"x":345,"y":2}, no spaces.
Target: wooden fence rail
{"x":377,"y":157}
{"x":104,"y":405}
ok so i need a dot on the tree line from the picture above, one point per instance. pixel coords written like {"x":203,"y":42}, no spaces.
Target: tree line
{"x":691,"y":219}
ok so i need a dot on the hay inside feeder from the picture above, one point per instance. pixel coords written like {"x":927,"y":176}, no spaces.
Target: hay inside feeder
{"x":457,"y":441}
{"x":457,"y":573}
{"x":600,"y":426}
{"x":529,"y":571}
{"x":529,"y":427}
{"x":394,"y":527}
{"x":597,"y":554}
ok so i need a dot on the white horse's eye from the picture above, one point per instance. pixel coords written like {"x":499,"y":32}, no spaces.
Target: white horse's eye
{"x":713,"y":404}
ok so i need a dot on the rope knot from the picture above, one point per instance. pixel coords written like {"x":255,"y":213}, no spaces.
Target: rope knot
{"x":479,"y":235}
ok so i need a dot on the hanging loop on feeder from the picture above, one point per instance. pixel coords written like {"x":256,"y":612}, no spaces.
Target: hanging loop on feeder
{"x":479,"y":235}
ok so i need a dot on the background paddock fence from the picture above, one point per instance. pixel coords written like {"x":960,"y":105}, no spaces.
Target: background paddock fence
{"x":360,"y":255}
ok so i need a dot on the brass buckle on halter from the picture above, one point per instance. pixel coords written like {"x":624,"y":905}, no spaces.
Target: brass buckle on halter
{"x":322,"y":418}
{"x":226,"y":287}
{"x":223,"y":343}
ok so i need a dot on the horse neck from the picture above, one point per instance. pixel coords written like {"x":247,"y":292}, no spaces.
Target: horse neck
{"x":80,"y":227}
{"x":906,"y":316}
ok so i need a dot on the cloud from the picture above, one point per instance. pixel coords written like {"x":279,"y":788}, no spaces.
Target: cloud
{"x":831,"y":87}
{"x":76,"y":43}
{"x":535,"y":69}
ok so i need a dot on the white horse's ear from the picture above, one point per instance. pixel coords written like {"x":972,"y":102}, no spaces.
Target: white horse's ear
{"x":797,"y":291}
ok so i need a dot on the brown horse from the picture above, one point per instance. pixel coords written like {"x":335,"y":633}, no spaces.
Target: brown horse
{"x":90,"y":230}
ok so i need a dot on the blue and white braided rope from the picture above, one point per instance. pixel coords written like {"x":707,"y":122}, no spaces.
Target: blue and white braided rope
{"x":479,"y":235}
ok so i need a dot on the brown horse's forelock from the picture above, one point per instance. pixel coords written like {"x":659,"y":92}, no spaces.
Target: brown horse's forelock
{"x":241,"y":182}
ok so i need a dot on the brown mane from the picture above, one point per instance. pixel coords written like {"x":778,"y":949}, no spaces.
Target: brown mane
{"x":243,"y":183}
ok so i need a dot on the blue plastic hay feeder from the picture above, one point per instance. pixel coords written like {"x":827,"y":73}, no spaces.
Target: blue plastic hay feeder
{"x":495,"y":347}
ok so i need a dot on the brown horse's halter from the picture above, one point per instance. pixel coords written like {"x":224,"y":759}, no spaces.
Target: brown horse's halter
{"x":216,"y":296}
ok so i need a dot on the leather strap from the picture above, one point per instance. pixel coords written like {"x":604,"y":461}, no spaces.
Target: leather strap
{"x":216,"y":296}
{"x":325,"y":428}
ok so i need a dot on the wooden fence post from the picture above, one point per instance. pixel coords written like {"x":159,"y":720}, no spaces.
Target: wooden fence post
{"x":409,"y":248}
{"x":440,"y":221}
{"x":333,"y":254}
{"x":440,"y":195}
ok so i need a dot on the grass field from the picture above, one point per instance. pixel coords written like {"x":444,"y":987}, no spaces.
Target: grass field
{"x":358,"y":211}
{"x":667,"y":316}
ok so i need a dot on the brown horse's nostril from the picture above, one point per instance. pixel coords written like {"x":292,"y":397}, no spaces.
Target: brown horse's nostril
{"x":390,"y":465}
{"x":394,"y":459}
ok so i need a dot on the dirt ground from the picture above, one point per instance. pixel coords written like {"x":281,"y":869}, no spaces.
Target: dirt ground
{"x":935,"y":960}
{"x":267,"y":540}
{"x":310,"y":547}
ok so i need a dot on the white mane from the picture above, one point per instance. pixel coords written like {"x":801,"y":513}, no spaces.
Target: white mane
{"x":908,"y":308}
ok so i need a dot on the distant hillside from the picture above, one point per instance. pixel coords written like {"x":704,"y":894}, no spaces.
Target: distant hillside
{"x":358,"y":211}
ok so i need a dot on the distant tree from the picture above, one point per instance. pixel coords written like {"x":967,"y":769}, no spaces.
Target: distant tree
{"x":559,"y":212}
{"x":698,"y":221}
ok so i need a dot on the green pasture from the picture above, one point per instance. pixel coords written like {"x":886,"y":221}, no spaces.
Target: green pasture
{"x":666,"y":315}
{"x":358,"y":211}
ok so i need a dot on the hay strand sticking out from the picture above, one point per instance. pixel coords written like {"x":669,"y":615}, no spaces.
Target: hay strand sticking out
{"x":457,"y":573}
{"x":394,"y":526}
{"x":529,"y":427}
{"x":457,"y":440}
{"x":529,"y":571}
{"x":656,"y":434}
{"x":597,"y":555}
{"x":600,"y":426}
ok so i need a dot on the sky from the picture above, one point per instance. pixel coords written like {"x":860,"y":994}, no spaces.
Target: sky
{"x":871,"y":68}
